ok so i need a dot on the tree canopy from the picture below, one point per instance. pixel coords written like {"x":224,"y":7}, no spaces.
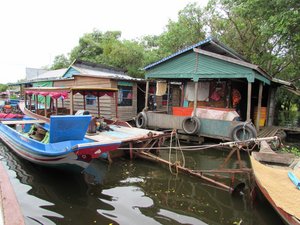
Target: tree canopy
{"x":266,"y":36}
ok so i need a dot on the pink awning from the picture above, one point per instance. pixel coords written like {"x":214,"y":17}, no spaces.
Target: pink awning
{"x":54,"y":95}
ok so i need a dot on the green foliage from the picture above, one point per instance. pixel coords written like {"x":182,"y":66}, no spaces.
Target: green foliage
{"x":3,"y":87}
{"x":188,"y":30}
{"x":291,"y":149}
{"x":60,"y":61}
{"x":265,"y":32}
{"x":266,"y":36}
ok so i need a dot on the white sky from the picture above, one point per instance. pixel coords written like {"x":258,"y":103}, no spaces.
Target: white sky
{"x":33,"y":32}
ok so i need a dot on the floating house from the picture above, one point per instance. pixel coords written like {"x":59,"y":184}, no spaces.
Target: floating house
{"x":86,"y":74}
{"x":210,"y":81}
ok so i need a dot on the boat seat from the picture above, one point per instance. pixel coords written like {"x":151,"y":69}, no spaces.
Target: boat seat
{"x":66,"y":128}
{"x":280,"y":158}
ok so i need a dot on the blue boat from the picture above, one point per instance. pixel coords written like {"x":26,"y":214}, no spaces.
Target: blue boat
{"x":61,"y":143}
{"x":53,"y":136}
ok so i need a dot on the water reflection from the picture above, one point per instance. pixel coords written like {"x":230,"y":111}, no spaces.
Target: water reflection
{"x":129,"y":192}
{"x":32,"y":206}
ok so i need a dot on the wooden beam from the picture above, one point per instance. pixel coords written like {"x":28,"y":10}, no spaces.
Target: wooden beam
{"x":249,"y":101}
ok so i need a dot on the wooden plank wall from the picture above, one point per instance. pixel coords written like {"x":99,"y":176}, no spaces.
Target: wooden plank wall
{"x":127,"y":112}
{"x":107,"y":104}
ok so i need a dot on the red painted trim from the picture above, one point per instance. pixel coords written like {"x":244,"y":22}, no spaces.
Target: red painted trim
{"x":12,"y":214}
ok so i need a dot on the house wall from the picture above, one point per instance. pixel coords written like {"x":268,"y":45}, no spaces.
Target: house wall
{"x":107,"y":104}
{"x":127,"y":112}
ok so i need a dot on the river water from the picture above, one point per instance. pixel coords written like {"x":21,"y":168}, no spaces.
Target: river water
{"x":133,"y":192}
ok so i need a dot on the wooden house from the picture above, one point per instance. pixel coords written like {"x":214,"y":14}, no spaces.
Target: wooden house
{"x":131,"y":94}
{"x":88,"y":74}
{"x":208,"y":78}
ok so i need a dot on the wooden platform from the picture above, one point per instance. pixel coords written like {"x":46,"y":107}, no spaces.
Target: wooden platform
{"x":268,"y":131}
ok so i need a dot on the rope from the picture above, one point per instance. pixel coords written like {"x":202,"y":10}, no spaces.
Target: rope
{"x":177,"y":146}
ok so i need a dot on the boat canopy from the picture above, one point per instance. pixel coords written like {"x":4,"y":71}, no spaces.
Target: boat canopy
{"x":54,"y":95}
{"x":56,"y":92}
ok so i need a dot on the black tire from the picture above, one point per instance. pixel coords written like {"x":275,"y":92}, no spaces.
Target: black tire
{"x":141,"y":121}
{"x":242,"y":132}
{"x":191,"y":125}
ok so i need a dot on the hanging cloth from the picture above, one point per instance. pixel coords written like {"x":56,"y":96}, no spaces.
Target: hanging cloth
{"x":161,"y":88}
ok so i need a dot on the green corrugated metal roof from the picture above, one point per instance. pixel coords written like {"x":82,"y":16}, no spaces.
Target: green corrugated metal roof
{"x":198,"y":66}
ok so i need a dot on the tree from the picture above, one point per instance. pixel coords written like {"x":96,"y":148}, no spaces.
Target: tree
{"x":188,"y":30}
{"x":3,"y":87}
{"x":60,"y":61}
{"x":267,"y":36}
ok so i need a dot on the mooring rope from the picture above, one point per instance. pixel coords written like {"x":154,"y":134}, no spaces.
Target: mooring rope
{"x":177,"y":146}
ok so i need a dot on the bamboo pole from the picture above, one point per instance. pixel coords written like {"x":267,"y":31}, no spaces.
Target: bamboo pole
{"x":185,"y":170}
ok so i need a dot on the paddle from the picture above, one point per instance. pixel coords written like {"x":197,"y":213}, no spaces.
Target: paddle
{"x":294,"y":179}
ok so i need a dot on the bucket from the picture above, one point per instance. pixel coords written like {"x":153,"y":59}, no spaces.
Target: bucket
{"x":263,"y":116}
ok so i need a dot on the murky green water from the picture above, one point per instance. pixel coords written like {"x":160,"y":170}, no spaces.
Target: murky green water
{"x":132,"y":192}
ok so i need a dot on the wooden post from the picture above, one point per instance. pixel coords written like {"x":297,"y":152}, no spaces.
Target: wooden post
{"x":259,"y":105}
{"x":249,"y":101}
{"x":182,"y":95}
{"x":195,"y":98}
{"x":271,"y":105}
{"x":30,"y":97}
{"x":168,"y":97}
{"x":71,"y":103}
{"x":146,"y":95}
{"x":98,"y":104}
{"x":116,"y":103}
{"x":36,"y":98}
{"x":84,"y":103}
{"x":45,"y":106}
{"x":56,"y":105}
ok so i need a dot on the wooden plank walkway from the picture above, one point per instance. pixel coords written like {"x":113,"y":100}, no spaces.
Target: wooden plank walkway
{"x":268,"y":131}
{"x":271,"y":131}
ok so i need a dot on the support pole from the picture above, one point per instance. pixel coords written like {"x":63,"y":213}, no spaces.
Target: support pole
{"x":98,"y":104}
{"x":84,"y":103}
{"x":45,"y":106}
{"x":195,"y":98}
{"x":116,"y":103}
{"x":259,"y":105}
{"x":182,"y":95}
{"x":168,"y":97}
{"x":71,"y":103}
{"x":146,"y":96}
{"x":249,"y":101}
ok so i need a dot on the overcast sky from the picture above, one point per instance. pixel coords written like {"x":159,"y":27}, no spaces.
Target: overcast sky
{"x":33,"y":32}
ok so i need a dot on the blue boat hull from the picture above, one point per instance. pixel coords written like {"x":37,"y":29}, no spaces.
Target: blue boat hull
{"x":72,"y":154}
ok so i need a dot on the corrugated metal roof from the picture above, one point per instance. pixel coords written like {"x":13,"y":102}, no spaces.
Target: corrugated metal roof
{"x":215,"y":46}
{"x":200,"y":64}
{"x":179,"y":53}
{"x":98,"y":70}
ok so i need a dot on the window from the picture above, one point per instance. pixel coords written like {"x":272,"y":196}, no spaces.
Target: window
{"x":90,"y":100}
{"x":125,"y":95}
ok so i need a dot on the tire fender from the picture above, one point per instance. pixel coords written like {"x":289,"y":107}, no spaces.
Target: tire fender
{"x":242,"y":132}
{"x":141,"y":121}
{"x":191,"y":125}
